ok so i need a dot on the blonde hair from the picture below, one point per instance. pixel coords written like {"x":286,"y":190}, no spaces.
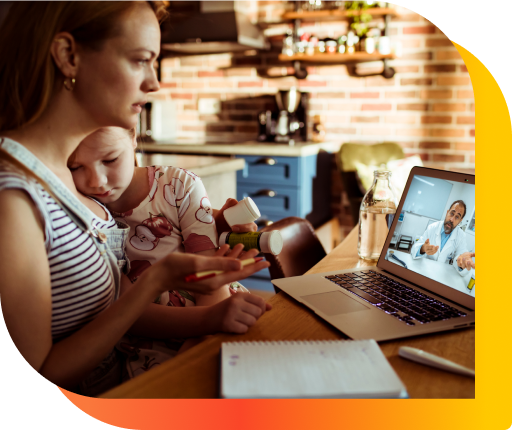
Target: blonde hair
{"x":27,"y":71}
{"x":132,"y":133}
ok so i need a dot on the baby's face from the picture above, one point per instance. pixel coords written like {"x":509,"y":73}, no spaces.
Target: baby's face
{"x":103,"y":164}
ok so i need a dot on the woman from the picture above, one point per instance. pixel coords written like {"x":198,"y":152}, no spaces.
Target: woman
{"x":69,"y":69}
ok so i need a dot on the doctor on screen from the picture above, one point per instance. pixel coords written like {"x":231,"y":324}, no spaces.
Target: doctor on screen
{"x":443,"y":241}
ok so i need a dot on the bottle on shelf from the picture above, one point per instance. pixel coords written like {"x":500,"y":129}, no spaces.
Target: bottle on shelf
{"x":302,"y":44}
{"x":352,"y":41}
{"x":320,"y":47}
{"x":330,"y":46}
{"x":342,"y":44}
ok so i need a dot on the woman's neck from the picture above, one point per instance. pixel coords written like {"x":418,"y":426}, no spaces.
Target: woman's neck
{"x":135,"y":194}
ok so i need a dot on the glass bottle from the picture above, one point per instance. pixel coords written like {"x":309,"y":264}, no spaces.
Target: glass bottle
{"x":376,"y":215}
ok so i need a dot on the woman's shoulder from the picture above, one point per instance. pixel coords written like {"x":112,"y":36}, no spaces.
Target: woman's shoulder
{"x":13,"y":179}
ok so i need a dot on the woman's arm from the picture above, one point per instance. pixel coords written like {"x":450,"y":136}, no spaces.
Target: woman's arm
{"x":27,"y":302}
{"x":26,"y":296}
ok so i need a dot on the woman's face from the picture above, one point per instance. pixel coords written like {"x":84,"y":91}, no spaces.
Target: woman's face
{"x":103,"y":164}
{"x":112,"y":83}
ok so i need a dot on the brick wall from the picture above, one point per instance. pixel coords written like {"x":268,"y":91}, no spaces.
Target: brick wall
{"x":428,"y":107}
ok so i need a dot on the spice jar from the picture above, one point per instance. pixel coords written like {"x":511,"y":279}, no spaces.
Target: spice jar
{"x":330,"y":46}
{"x":312,"y":45}
{"x":342,"y":40}
{"x":320,"y":47}
{"x":300,"y":48}
{"x":352,"y":40}
{"x":310,"y":49}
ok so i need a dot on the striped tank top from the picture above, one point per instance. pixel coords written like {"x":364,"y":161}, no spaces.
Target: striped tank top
{"x":81,"y":282}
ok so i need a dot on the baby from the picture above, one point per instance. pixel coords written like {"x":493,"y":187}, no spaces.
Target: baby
{"x":167,"y":208}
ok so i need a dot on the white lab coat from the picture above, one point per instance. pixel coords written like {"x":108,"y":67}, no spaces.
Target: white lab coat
{"x":454,"y":246}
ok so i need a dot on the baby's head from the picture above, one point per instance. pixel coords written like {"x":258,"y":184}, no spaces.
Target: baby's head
{"x":103,"y":164}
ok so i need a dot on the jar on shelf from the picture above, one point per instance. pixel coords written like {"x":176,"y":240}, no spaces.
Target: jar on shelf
{"x":342,"y":44}
{"x":310,"y":49}
{"x":320,"y":47}
{"x":352,"y":41}
{"x":367,"y":44}
{"x":384,"y":45}
{"x":300,"y":47}
{"x":331,"y":46}
{"x":376,"y":215}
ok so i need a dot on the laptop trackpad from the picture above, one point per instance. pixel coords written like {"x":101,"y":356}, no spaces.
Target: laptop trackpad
{"x":334,"y":303}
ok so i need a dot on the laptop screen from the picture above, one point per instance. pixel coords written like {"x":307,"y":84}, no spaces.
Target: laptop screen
{"x":435,"y":232}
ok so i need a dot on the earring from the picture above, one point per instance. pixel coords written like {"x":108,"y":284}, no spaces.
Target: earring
{"x":69,"y":85}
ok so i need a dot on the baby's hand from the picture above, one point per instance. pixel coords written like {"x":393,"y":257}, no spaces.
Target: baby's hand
{"x":238,"y":313}
{"x":222,"y":225}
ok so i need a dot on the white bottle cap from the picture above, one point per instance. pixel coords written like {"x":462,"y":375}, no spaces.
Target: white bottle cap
{"x":271,"y":242}
{"x":244,"y":212}
{"x":222,"y":238}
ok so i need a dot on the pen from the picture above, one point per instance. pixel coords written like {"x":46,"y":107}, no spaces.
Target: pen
{"x":433,"y":360}
{"x":199,"y":276}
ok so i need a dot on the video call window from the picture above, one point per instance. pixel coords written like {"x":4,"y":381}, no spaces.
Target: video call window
{"x":435,"y":227}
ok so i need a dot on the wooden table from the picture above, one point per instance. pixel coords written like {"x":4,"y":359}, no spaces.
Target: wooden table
{"x":195,"y":373}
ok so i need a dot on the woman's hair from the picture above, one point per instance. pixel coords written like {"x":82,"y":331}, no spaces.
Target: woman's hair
{"x":27,"y":71}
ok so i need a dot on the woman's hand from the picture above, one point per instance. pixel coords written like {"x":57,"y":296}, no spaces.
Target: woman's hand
{"x":170,"y":272}
{"x":222,"y":225}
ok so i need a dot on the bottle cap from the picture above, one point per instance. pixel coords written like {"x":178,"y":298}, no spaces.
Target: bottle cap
{"x":271,"y":242}
{"x":244,"y":212}
{"x":222,"y":238}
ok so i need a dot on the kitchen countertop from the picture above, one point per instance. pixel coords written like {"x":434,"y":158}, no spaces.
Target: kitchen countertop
{"x":201,"y":165}
{"x":300,"y":149}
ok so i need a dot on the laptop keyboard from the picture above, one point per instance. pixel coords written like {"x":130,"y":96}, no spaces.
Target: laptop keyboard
{"x":398,"y":300}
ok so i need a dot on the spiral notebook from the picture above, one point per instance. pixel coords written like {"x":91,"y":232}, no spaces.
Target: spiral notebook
{"x":313,"y":369}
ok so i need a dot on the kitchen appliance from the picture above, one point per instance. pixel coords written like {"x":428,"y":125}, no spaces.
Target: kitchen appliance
{"x":157,"y":121}
{"x":286,"y":121}
{"x":206,"y":27}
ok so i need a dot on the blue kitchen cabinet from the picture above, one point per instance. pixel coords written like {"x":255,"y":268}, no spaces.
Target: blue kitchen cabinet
{"x":283,"y":187}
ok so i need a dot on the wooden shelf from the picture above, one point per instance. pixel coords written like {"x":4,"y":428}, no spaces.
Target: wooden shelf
{"x":336,"y":14}
{"x":358,"y":57}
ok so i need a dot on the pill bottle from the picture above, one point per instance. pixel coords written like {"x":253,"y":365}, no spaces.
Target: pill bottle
{"x":270,"y":242}
{"x":471,"y":283}
{"x":244,"y":212}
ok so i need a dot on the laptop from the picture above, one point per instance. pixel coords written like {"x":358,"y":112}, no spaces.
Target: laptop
{"x":408,"y":292}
